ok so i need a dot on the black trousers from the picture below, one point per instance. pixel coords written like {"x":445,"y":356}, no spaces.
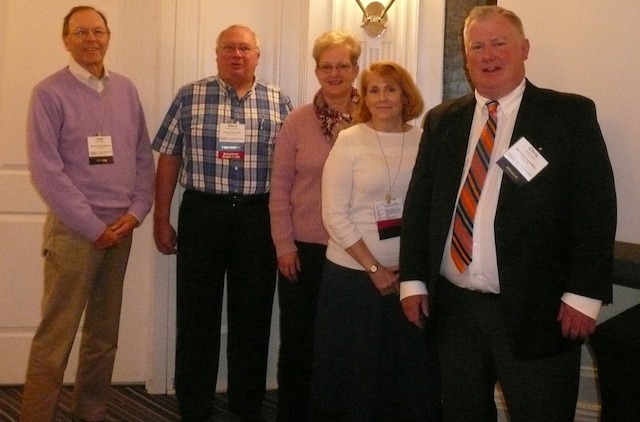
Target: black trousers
{"x":218,"y":236}
{"x":298,"y":302}
{"x":616,"y":345}
{"x":474,"y":354}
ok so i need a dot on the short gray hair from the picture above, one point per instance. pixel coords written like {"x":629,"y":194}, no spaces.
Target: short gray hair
{"x":238,"y":26}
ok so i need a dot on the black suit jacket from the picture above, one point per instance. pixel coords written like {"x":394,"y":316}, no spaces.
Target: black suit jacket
{"x":553,"y":235}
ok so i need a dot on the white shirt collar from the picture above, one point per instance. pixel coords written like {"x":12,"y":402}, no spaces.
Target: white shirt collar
{"x":509,"y":103}
{"x":84,"y":76}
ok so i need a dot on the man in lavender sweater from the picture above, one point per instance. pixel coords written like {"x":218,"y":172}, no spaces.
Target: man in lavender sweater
{"x":90,"y":160}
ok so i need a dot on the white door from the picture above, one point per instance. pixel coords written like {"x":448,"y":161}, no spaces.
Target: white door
{"x":31,"y":48}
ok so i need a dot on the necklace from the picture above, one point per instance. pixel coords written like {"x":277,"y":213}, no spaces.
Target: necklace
{"x":387,"y":197}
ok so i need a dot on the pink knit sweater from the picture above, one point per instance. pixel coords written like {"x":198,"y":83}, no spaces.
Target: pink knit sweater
{"x":294,"y":204}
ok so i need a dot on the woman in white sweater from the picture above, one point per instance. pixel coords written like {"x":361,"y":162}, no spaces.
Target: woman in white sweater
{"x":370,"y":363}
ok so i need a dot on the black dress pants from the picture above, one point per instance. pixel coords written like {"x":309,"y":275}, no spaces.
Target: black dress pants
{"x":223,"y":236}
{"x":475,"y":353}
{"x":298,"y":302}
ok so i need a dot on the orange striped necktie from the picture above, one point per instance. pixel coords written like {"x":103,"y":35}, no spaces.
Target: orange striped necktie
{"x":462,"y":237}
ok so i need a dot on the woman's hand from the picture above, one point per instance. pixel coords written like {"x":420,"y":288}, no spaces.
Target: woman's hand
{"x":289,"y":266}
{"x":386,"y":280}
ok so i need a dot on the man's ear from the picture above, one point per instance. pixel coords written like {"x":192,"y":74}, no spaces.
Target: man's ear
{"x":525,"y":49}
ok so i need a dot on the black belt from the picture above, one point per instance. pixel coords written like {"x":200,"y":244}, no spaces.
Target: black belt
{"x":230,"y":199}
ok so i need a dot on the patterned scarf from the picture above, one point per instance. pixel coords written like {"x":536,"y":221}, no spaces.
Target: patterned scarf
{"x":332,"y":121}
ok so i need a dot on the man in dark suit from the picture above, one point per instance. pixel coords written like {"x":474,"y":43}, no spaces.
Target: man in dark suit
{"x":514,"y":304}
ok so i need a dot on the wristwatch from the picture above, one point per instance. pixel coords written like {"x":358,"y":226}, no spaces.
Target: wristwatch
{"x":372,"y":269}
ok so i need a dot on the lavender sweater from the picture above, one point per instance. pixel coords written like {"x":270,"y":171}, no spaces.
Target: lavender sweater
{"x":63,"y":113}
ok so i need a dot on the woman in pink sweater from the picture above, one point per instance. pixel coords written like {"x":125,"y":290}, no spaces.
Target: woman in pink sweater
{"x":302,"y":146}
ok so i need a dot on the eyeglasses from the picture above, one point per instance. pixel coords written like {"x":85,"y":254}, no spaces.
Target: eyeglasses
{"x":340,"y":68}
{"x":84,"y":33}
{"x":242,"y":49}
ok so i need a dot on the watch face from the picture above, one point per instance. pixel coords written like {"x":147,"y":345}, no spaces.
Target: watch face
{"x":373,"y":268}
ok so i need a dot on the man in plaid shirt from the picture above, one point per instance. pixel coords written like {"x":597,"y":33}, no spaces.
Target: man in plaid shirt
{"x":217,"y":139}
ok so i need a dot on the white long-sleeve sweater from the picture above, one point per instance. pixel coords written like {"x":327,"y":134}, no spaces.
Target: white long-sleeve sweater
{"x":355,"y":176}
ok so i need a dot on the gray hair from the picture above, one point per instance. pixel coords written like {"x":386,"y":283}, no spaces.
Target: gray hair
{"x":238,"y":26}
{"x":484,"y":12}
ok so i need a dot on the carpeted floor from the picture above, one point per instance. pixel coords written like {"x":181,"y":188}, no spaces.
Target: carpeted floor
{"x":130,"y":403}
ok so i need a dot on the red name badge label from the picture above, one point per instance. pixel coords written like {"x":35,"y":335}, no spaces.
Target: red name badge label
{"x":231,"y":141}
{"x":389,"y":217}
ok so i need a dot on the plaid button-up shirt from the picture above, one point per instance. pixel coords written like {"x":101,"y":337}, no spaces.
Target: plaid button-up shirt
{"x":191,"y":128}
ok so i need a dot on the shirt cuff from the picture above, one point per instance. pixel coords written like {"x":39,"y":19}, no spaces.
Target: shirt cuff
{"x":136,"y":217}
{"x":412,"y":288}
{"x":587,"y":305}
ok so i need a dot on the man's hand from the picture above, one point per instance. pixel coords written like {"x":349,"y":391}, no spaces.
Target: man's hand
{"x":416,"y":309}
{"x":574,"y":323}
{"x":165,"y":237}
{"x":125,"y":225}
{"x":107,"y":239}
{"x":113,"y":235}
{"x":289,"y":266}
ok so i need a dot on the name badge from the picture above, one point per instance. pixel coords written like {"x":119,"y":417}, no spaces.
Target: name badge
{"x":522,"y":162}
{"x":100,"y":150}
{"x":389,"y":217}
{"x":231,"y":140}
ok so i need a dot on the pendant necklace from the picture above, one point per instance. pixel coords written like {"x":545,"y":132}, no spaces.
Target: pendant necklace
{"x":387,"y":197}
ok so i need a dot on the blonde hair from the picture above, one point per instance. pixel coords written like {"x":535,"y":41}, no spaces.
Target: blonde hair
{"x":414,"y":103}
{"x":337,"y":39}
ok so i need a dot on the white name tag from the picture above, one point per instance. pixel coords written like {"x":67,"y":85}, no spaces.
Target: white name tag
{"x":522,"y":162}
{"x":231,"y":140}
{"x":100,"y":150}
{"x":388,"y":217}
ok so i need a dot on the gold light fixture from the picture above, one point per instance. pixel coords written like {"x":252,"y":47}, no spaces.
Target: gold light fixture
{"x":374,"y":18}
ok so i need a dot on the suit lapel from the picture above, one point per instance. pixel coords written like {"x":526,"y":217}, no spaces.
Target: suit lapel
{"x":456,"y":123}
{"x":458,"y":137}
{"x":531,"y":117}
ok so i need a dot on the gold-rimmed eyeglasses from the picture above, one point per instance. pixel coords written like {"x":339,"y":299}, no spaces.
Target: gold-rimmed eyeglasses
{"x":83,"y":33}
{"x":326,"y":68}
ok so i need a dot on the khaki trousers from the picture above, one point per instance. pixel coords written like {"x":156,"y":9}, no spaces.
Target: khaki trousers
{"x":77,"y":278}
